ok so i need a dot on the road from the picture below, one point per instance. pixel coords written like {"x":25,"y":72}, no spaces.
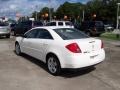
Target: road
{"x":27,"y":73}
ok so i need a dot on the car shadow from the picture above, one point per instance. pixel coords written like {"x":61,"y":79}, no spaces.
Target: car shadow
{"x":117,"y":45}
{"x":69,"y":73}
{"x":35,"y":61}
{"x":66,"y":73}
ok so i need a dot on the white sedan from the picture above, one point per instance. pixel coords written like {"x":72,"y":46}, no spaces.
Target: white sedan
{"x":61,"y":47}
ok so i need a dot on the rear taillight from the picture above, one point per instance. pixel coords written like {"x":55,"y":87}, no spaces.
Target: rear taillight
{"x":73,"y":47}
{"x":102,"y":45}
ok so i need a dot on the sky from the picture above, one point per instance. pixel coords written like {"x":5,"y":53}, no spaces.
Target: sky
{"x":26,"y":7}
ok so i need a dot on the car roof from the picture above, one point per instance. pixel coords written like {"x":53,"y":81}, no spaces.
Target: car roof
{"x":58,"y":21}
{"x":50,"y":30}
{"x":51,"y":27}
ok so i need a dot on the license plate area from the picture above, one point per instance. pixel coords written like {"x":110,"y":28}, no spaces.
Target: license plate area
{"x":93,"y":56}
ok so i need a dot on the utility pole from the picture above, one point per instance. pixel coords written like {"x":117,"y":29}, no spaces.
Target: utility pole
{"x":117,"y":26}
{"x":83,"y":15}
{"x":50,"y":14}
{"x":36,"y":16}
{"x":117,"y":15}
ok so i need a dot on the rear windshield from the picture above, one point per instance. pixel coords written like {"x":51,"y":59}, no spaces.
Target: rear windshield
{"x":70,"y":33}
{"x":3,"y":24}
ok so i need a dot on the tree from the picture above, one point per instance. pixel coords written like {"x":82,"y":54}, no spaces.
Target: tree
{"x":43,"y":13}
{"x":72,"y":10}
{"x":105,"y":10}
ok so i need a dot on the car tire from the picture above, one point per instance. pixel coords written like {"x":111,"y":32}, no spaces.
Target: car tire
{"x":17,"y":49}
{"x":8,"y":36}
{"x":53,"y":65}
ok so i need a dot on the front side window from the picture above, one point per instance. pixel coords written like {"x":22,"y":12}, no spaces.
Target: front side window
{"x":70,"y":33}
{"x":43,"y":34}
{"x":31,"y":34}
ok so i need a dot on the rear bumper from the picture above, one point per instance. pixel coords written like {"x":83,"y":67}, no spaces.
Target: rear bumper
{"x":83,"y":60}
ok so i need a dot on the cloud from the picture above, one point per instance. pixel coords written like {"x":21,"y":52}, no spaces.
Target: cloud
{"x":26,"y":7}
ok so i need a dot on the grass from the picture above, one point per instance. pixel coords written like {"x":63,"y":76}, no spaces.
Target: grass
{"x":110,"y":36}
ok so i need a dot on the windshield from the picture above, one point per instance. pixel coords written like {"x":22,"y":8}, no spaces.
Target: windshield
{"x":70,"y":33}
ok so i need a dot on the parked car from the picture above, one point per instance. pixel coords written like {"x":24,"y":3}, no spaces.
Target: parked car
{"x":93,"y":27}
{"x":37,"y":23}
{"x":77,"y":25}
{"x":22,"y":27}
{"x":12,"y":26}
{"x":61,"y":47}
{"x":60,"y":23}
{"x":108,"y":27}
{"x":4,"y":29}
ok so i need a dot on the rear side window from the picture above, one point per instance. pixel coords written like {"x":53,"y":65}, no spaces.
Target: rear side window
{"x":70,"y":33}
{"x":60,"y":23}
{"x":68,"y":23}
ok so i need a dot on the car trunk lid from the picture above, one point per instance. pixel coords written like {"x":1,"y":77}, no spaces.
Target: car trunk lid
{"x":88,"y":45}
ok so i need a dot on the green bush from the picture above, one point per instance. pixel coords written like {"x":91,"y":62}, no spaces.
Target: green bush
{"x":110,"y":36}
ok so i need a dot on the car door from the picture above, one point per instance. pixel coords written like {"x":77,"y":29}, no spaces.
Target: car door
{"x":36,"y":43}
{"x":28,"y":42}
{"x":41,"y":45}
